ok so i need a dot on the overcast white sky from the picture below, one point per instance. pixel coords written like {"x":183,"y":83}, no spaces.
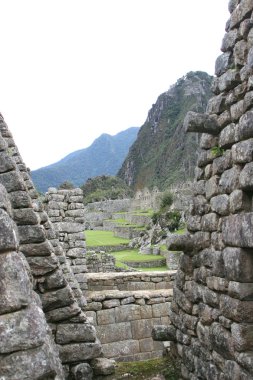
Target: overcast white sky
{"x":71,"y":70}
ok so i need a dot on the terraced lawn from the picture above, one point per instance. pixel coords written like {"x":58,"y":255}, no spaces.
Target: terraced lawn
{"x":97,"y":238}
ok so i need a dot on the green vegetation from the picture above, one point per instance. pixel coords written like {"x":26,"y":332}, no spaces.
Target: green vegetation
{"x":134,"y":255}
{"x":144,"y":370}
{"x":217,"y":151}
{"x":66,"y":185}
{"x":96,"y":238}
{"x":162,"y":153}
{"x":164,"y":216}
{"x":105,"y":187}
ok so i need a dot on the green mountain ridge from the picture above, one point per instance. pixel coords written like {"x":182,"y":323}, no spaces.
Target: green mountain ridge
{"x":163,"y":154}
{"x":103,"y":157}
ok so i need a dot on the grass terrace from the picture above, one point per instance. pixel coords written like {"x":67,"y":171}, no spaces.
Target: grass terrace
{"x":97,"y":238}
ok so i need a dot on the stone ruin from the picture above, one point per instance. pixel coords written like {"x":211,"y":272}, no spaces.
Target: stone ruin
{"x":44,"y":332}
{"x":212,"y":308}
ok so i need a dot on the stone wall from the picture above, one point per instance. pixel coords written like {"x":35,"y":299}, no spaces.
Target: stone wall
{"x":212,"y":309}
{"x":33,"y":257}
{"x":125,"y":307}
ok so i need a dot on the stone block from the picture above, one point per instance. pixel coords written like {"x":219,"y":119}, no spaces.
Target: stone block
{"x":200,"y":205}
{"x":182,"y":338}
{"x":223,"y":120}
{"x":238,"y":264}
{"x":229,"y":80}
{"x":236,"y":310}
{"x":82,"y":371}
{"x":220,"y":204}
{"x":245,"y":359}
{"x":222,"y":163}
{"x":93,"y":306}
{"x":25,"y":216}
{"x":12,"y":181}
{"x":8,"y":233}
{"x":127,"y":300}
{"x":160,"y":310}
{"x":242,"y":335}
{"x":241,"y":291}
{"x":229,"y":40}
{"x":146,"y":311}
{"x":221,"y":340}
{"x":35,"y":363}
{"x":42,"y":265}
{"x":223,"y":62}
{"x":75,"y":332}
{"x":15,"y":286}
{"x":217,"y":283}
{"x":238,"y":201}
{"x":210,"y":297}
{"x":22,"y":330}
{"x":141,"y":328}
{"x":237,"y":110}
{"x":194,"y":223}
{"x":246,"y":177}
{"x":111,"y":303}
{"x":127,"y":313}
{"x":63,"y":313}
{"x":212,"y":187}
{"x":229,"y":180}
{"x":240,"y":53}
{"x":106,"y":317}
{"x":76,"y":352}
{"x":208,"y":141}
{"x":103,"y":366}
{"x":236,"y":230}
{"x":209,"y":222}
{"x":245,"y":130}
{"x":182,"y":301}
{"x":31,"y":234}
{"x":164,"y":333}
{"x":202,"y":123}
{"x":114,"y":332}
{"x":201,"y":240}
{"x":57,"y":299}
{"x":121,"y":349}
{"x":242,"y":152}
{"x":216,"y":105}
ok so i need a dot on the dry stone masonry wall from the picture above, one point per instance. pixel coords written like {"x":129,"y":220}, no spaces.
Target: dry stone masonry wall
{"x":33,"y":257}
{"x":212,"y":310}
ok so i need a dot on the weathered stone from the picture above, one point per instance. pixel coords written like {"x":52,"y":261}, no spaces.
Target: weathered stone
{"x":216,"y":105}
{"x":43,"y":264}
{"x":109,"y":334}
{"x":237,"y":110}
{"x":203,"y":333}
{"x":208,"y":141}
{"x":15,"y":286}
{"x":245,"y":130}
{"x":229,"y":40}
{"x":236,"y":230}
{"x":12,"y":181}
{"x":36,"y":363}
{"x":229,"y":180}
{"x":241,"y":291}
{"x":205,"y":157}
{"x":57,"y":299}
{"x":228,"y":136}
{"x":121,"y":349}
{"x":182,"y":301}
{"x":200,"y":205}
{"x":223,"y":63}
{"x":180,"y":242}
{"x":82,"y":371}
{"x":209,"y":222}
{"x":220,"y":164}
{"x":25,"y":216}
{"x":202,"y":123}
{"x":212,"y":187}
{"x":240,"y":53}
{"x":242,"y":152}
{"x":217,"y":283}
{"x":103,"y":366}
{"x":111,"y":303}
{"x":194,"y":223}
{"x":127,"y":313}
{"x":201,"y":240}
{"x":238,"y":311}
{"x":31,"y":234}
{"x":243,"y":336}
{"x":220,"y":204}
{"x":246,"y":177}
{"x":163,"y":333}
{"x":229,"y":80}
{"x":76,"y":352}
{"x":239,"y":201}
{"x":8,"y":233}
{"x":63,"y":313}
{"x":75,"y":332}
{"x":221,"y":341}
{"x":238,"y":264}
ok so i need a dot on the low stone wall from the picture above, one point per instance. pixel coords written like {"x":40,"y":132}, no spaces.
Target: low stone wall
{"x":116,"y":205}
{"x":146,"y":264}
{"x":127,"y":232}
{"x":124,"y":321}
{"x":129,"y":281}
{"x":101,"y":262}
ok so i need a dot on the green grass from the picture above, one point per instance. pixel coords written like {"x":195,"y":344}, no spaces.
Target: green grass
{"x":181,"y":231}
{"x":97,"y":238}
{"x":143,"y":370}
{"x":134,"y":255}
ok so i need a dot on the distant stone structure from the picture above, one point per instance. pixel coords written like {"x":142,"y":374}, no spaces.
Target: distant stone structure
{"x":212,"y":308}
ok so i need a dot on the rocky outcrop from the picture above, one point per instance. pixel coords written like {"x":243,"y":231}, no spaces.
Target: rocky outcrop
{"x":211,"y":312}
{"x":35,"y":285}
{"x":163,"y":154}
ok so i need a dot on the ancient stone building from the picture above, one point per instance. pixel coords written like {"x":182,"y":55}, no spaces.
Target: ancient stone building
{"x":212,"y":309}
{"x":44,"y":332}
